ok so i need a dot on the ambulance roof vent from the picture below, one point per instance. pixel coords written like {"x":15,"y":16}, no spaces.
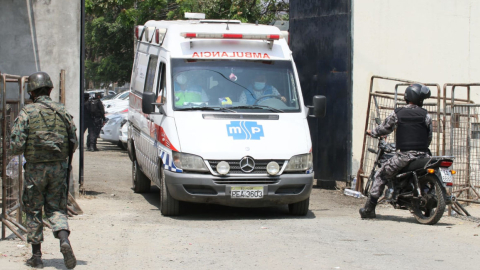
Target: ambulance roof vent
{"x":194,"y":16}
{"x":221,"y":21}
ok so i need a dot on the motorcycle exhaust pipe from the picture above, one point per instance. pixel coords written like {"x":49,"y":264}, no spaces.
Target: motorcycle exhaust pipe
{"x":450,"y":199}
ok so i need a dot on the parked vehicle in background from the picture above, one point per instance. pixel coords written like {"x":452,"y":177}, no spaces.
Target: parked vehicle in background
{"x":124,"y":135}
{"x":112,"y":129}
{"x":108,"y":97}
{"x":119,"y":106}
{"x":119,"y":97}
{"x":101,"y":91}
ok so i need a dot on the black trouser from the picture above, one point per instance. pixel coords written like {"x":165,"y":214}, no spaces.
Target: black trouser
{"x":94,"y":128}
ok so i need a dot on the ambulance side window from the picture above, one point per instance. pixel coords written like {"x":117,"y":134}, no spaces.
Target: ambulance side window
{"x":151,"y":71}
{"x":162,"y":83}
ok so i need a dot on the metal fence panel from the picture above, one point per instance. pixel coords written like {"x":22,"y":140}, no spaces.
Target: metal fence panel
{"x":11,"y":166}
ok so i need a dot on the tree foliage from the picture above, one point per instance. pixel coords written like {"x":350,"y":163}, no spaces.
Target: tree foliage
{"x":263,"y":11}
{"x":110,"y":23}
{"x":109,"y":37}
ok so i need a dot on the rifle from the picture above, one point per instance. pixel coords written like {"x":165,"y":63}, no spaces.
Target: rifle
{"x":71,"y":144}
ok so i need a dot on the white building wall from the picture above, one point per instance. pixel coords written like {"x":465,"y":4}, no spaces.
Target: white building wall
{"x":432,"y":41}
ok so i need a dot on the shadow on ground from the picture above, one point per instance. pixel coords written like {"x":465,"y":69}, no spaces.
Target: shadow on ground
{"x":409,"y":219}
{"x":59,"y":264}
{"x":198,"y":211}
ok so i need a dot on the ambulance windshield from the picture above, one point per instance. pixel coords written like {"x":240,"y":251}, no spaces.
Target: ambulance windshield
{"x":243,"y":86}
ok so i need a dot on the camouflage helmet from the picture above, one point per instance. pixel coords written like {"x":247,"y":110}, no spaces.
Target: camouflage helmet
{"x":38,"y":80}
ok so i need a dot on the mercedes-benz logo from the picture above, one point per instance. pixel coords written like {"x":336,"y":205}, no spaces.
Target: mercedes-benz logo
{"x":247,"y":164}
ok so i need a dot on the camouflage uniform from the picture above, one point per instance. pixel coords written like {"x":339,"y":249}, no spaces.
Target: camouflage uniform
{"x":401,"y":159}
{"x":41,"y":135}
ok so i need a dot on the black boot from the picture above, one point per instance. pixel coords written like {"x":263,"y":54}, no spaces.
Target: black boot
{"x":90,"y":148}
{"x":36,"y":260}
{"x":368,"y":211}
{"x":66,"y":249}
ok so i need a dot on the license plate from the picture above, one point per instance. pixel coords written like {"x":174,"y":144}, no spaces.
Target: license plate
{"x":446,"y":175}
{"x":246,"y":192}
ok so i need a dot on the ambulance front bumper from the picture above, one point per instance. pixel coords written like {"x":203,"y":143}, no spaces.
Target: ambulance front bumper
{"x":205,"y":188}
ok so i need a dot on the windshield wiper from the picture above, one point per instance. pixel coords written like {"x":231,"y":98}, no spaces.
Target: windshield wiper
{"x":257,"y":107}
{"x":204,"y":108}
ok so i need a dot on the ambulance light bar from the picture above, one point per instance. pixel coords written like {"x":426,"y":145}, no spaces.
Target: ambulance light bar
{"x":150,"y":34}
{"x":231,"y":36}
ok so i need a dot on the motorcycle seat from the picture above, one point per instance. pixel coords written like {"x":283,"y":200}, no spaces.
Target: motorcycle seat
{"x":416,"y":165}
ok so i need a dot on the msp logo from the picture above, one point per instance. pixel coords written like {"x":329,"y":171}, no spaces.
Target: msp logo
{"x":245,"y":130}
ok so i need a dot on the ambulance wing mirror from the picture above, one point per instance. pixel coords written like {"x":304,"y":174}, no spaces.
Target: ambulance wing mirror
{"x":319,"y":106}
{"x":148,"y":102}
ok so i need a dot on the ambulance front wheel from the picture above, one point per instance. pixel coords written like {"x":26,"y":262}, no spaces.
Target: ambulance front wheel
{"x":168,"y":205}
{"x":140,"y":181}
{"x":299,"y":208}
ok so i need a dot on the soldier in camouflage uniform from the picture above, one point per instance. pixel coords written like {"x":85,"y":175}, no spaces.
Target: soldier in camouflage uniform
{"x":413,"y":137}
{"x":42,"y":136}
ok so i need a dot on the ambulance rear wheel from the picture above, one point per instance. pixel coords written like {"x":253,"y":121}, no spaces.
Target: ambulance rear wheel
{"x":299,"y":208}
{"x":168,"y":205}
{"x":140,"y":181}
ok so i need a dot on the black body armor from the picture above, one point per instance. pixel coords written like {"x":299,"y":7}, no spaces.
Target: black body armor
{"x":412,"y":131}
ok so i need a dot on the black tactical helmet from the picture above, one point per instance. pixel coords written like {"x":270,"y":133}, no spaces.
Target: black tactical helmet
{"x":38,"y":80}
{"x":416,"y":93}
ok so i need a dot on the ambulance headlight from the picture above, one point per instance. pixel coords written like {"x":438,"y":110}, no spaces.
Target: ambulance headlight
{"x":300,"y":163}
{"x":273,"y":168}
{"x":189,"y":162}
{"x":223,"y":168}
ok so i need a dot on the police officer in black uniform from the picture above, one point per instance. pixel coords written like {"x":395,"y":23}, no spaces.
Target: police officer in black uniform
{"x":96,"y":111}
{"x":413,"y":137}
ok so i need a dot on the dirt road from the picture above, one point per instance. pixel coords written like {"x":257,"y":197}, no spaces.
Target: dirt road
{"x":123,"y":230}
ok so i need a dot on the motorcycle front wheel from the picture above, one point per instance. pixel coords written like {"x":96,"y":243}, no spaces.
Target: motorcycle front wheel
{"x":429,"y":210}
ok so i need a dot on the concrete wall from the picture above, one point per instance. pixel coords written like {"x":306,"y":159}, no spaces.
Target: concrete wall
{"x":43,"y":35}
{"x":433,"y":41}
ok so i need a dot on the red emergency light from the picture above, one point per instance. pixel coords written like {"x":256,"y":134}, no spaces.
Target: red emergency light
{"x":231,"y":36}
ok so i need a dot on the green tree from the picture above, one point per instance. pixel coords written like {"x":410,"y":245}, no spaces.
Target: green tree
{"x":110,"y":23}
{"x":109,"y":37}
{"x":263,"y":11}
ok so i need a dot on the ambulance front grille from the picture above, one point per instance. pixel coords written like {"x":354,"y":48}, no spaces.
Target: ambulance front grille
{"x":260,"y":166}
{"x":245,"y":181}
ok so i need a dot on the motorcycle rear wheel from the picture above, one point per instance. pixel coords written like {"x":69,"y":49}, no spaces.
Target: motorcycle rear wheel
{"x":432,"y":205}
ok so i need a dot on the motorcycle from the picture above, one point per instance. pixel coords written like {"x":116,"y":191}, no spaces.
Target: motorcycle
{"x":420,"y":187}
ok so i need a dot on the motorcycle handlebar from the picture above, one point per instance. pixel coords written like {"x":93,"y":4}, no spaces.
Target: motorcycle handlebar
{"x":376,"y":137}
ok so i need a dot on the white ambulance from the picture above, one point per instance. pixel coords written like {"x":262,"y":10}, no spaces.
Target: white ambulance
{"x":217,"y":116}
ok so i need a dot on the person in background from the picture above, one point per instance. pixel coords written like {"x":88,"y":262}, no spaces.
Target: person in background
{"x":96,"y":121}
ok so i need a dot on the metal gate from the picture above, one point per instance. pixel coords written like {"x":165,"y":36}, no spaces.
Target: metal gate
{"x":11,"y":166}
{"x":321,"y":44}
{"x":463,"y":141}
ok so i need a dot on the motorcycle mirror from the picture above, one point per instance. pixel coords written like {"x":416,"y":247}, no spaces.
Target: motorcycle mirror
{"x":378,"y":121}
